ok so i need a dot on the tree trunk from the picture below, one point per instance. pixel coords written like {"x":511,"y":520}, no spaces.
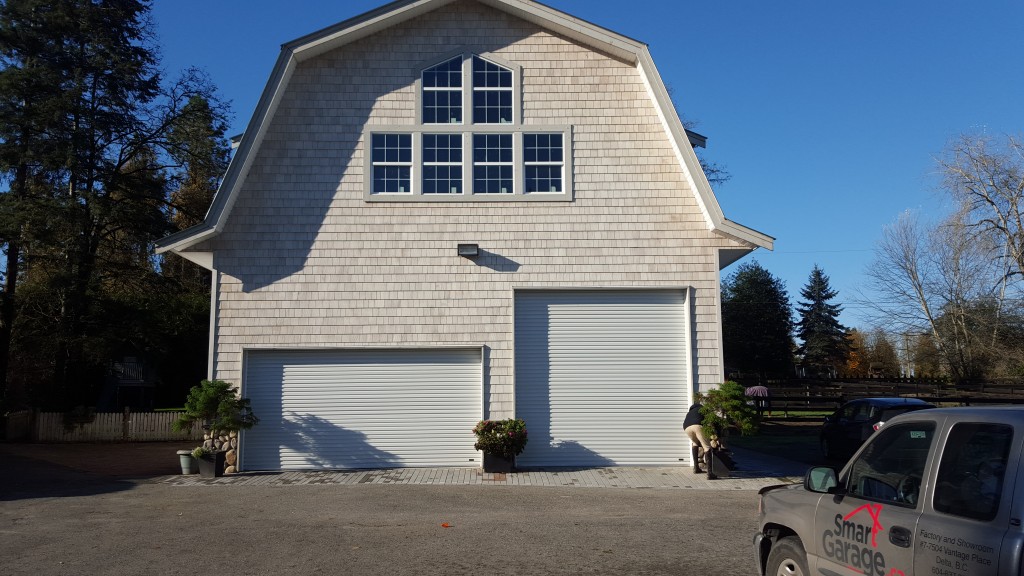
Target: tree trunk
{"x":7,"y":307}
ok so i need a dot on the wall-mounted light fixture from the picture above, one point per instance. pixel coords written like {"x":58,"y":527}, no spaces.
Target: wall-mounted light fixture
{"x":469,"y":250}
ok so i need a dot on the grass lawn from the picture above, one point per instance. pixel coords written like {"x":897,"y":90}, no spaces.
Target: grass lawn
{"x":793,"y":440}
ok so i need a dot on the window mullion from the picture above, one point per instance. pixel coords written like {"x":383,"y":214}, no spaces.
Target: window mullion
{"x":414,"y":172}
{"x":518,"y":171}
{"x":468,"y":118}
{"x":467,"y":163}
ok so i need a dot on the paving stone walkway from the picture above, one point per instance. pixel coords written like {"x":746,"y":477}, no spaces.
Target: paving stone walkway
{"x":754,"y":471}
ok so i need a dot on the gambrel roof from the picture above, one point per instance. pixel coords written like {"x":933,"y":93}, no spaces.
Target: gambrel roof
{"x":352,"y":30}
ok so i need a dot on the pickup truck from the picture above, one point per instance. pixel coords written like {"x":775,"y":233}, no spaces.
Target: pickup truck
{"x":934,"y":492}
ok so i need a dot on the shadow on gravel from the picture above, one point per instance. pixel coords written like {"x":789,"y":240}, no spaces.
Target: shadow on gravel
{"x":26,"y":478}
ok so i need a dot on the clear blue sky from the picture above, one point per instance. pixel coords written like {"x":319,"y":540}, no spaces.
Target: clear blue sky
{"x":828,"y":115}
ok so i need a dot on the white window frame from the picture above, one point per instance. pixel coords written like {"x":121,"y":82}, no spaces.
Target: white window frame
{"x":461,"y":165}
{"x":412,"y":164}
{"x":467,"y":129}
{"x":552,"y":163}
{"x":511,"y":164}
{"x":513,"y":70}
{"x":460,"y":90}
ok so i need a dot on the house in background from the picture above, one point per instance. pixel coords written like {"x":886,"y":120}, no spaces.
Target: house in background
{"x":450,"y":210}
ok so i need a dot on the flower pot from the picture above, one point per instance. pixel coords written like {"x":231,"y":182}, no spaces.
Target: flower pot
{"x":494,"y":463}
{"x":212,"y":466}
{"x":187,"y":462}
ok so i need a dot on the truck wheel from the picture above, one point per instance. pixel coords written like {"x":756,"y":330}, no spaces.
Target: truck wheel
{"x":787,"y":558}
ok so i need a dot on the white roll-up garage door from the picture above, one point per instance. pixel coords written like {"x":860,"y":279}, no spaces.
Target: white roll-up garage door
{"x":362,"y":409}
{"x":601,"y":377}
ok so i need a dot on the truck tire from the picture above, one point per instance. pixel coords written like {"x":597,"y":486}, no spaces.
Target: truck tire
{"x":787,"y":558}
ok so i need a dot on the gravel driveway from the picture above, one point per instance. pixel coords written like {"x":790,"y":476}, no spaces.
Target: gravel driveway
{"x":59,"y":520}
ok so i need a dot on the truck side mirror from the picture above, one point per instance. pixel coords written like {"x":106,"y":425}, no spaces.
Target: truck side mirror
{"x":821,"y":479}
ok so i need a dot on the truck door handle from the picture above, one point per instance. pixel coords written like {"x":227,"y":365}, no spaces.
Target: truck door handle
{"x":899,"y":536}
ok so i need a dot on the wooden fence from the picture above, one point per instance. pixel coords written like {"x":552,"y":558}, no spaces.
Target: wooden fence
{"x":101,"y":427}
{"x":780,"y":407}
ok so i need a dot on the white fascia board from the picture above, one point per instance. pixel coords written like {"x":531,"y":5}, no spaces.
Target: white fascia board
{"x":187,"y":237}
{"x":240,"y":163}
{"x":742,"y":233}
{"x":580,"y":30}
{"x":353,"y":29}
{"x":204,"y":259}
{"x":692,"y":170}
{"x":389,"y":15}
{"x":673,"y":127}
{"x":252,"y":138}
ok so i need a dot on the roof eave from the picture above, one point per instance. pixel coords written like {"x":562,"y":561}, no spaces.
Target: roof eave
{"x":185,"y":239}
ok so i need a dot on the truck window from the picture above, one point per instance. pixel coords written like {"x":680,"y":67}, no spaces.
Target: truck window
{"x":970,"y":480}
{"x":890,"y":468}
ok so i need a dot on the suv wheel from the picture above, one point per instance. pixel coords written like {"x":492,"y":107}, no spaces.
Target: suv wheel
{"x":787,"y":558}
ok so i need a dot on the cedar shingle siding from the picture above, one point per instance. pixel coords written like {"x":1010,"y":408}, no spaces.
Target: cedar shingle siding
{"x":304,"y":261}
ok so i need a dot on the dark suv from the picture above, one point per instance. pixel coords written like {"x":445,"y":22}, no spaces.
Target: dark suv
{"x":844,"y":431}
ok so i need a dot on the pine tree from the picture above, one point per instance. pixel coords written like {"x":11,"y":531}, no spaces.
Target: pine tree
{"x":197,"y":143}
{"x":32,"y":100}
{"x":824,"y":340}
{"x":757,"y":323}
{"x":86,"y":146}
{"x":882,"y":356}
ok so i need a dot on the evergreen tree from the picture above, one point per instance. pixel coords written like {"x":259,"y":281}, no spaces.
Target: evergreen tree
{"x":86,"y":149}
{"x":757,"y":323}
{"x":198,"y":144}
{"x":824,"y":340}
{"x":882,"y":356}
{"x":30,"y":100}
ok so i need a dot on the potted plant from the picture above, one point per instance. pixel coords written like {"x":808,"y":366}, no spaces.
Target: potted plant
{"x":500,"y":441}
{"x":211,"y":462}
{"x":216,"y":406}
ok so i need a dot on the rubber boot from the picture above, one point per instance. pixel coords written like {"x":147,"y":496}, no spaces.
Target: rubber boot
{"x":695,"y":458}
{"x":707,"y":462}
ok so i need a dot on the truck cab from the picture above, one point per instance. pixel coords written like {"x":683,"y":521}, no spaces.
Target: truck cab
{"x":936,"y":492}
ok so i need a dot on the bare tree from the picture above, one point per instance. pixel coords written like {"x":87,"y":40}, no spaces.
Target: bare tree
{"x":986,"y":179}
{"x":945,"y":283}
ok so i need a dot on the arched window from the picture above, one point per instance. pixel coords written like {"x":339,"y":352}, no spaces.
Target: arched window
{"x":483,"y":154}
{"x":442,"y":93}
{"x":492,"y":93}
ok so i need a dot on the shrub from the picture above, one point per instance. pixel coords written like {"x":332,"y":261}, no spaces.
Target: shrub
{"x":504,"y":438}
{"x":726,"y":407}
{"x":215,"y":404}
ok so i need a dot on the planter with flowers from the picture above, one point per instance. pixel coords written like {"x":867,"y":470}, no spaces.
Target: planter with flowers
{"x":500,"y":441}
{"x":210,"y":462}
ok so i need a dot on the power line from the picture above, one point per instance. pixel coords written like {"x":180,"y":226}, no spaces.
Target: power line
{"x":820,"y":251}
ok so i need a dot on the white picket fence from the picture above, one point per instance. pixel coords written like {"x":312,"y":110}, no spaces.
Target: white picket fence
{"x":105,"y":427}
